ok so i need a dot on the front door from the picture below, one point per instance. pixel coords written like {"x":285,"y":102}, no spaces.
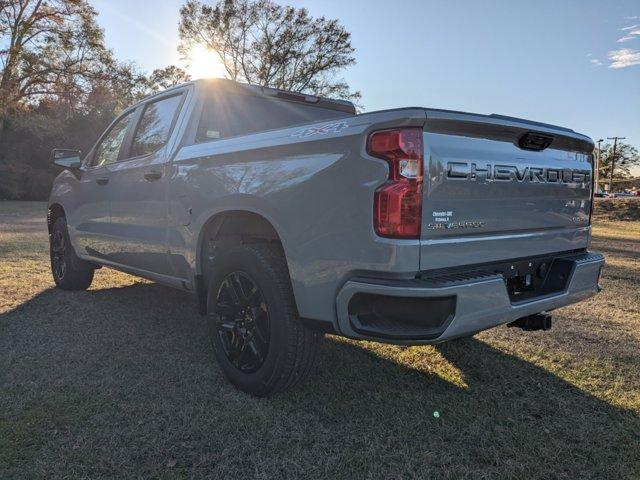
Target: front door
{"x":139,"y":190}
{"x":90,"y":223}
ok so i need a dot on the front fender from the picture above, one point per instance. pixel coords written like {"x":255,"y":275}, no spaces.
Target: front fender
{"x":62,"y":190}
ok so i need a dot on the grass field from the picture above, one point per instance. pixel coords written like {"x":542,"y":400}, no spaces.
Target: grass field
{"x":119,"y":382}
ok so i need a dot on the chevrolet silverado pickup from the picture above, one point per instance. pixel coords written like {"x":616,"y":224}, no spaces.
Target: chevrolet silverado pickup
{"x":289,"y":216}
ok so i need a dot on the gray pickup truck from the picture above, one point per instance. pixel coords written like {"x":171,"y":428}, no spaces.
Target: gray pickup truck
{"x":289,"y":215}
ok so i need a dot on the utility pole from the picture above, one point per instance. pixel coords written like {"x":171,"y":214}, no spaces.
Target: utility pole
{"x":596,"y":170}
{"x":613,"y":160}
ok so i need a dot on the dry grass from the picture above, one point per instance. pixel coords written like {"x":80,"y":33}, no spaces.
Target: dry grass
{"x":617,"y":208}
{"x":119,"y":382}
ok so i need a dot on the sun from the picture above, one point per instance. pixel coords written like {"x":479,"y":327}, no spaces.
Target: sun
{"x":204,"y":63}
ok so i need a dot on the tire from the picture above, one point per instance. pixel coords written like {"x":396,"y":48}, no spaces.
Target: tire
{"x":258,"y":339}
{"x":69,"y":272}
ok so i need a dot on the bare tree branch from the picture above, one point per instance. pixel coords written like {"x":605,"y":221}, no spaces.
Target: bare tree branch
{"x":263,"y":43}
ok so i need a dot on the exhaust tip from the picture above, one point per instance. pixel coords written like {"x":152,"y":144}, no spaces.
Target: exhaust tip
{"x":539,"y":321}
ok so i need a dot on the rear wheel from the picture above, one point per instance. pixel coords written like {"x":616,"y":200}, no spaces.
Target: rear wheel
{"x":258,"y":339}
{"x":69,"y":272}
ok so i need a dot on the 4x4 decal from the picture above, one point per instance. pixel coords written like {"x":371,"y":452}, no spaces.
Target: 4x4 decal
{"x":321,"y":130}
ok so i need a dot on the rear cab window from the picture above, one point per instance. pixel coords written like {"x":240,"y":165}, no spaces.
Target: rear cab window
{"x":155,"y":125}
{"x":229,"y":114}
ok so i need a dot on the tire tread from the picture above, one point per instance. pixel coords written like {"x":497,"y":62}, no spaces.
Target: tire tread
{"x":302,"y":342}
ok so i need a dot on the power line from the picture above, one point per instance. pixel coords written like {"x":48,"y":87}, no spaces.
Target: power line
{"x":613,"y":159}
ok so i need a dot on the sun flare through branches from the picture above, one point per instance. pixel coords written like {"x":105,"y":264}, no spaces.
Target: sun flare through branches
{"x":203,"y":62}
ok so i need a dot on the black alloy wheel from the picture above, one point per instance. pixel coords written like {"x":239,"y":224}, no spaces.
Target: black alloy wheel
{"x":242,"y":322}
{"x":258,"y":338}
{"x":69,"y":272}
{"x":58,"y":254}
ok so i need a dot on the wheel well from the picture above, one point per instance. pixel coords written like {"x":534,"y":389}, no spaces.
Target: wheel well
{"x":231,"y":228}
{"x":55,"y":212}
{"x":226,"y":230}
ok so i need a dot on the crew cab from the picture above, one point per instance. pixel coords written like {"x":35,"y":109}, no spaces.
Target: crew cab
{"x":289,"y":216}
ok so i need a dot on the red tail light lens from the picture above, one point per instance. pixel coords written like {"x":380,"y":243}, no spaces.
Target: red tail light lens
{"x":398,"y":202}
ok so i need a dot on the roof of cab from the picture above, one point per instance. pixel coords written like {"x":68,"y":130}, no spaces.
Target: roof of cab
{"x":307,"y":99}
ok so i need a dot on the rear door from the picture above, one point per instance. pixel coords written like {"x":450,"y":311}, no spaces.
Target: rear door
{"x":500,"y":188}
{"x":139,"y":188}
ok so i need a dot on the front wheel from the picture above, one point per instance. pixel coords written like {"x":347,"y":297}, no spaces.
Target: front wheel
{"x":69,"y":272}
{"x":258,"y":339}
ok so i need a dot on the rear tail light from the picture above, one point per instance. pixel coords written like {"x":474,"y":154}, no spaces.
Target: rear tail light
{"x":398,"y":202}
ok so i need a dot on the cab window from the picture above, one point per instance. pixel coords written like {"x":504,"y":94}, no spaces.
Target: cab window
{"x":155,"y":126}
{"x":108,"y":149}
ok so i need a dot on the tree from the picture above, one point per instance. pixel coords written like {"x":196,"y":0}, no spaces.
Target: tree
{"x":163,"y":78}
{"x":48,"y":47}
{"x":59,"y":86}
{"x":263,"y":43}
{"x":626,"y":158}
{"x":51,"y":121}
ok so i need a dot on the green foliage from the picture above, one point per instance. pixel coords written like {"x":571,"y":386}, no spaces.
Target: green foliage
{"x":263,"y":43}
{"x":29,"y":136}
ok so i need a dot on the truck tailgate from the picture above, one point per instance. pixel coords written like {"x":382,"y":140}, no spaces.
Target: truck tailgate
{"x":501,"y":188}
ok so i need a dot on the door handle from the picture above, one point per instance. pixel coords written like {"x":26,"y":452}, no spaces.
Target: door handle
{"x":152,"y":176}
{"x":102,"y":181}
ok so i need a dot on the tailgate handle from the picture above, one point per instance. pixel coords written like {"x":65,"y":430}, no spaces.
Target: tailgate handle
{"x":535,"y":141}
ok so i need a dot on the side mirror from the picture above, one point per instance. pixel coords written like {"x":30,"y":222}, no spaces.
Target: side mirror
{"x":66,"y":158}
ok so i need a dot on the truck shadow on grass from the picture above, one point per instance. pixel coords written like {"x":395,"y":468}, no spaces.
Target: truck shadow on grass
{"x":121,"y":382}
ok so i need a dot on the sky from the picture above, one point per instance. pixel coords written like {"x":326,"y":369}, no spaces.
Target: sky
{"x":574,"y":63}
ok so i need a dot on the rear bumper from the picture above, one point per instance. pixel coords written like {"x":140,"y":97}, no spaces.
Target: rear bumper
{"x":464,"y":303}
